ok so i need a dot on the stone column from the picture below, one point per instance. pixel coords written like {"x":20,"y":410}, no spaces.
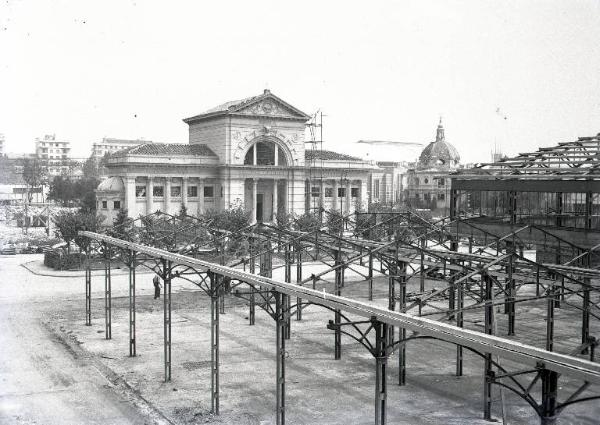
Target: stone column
{"x":276,"y":155}
{"x":275,"y":187}
{"x":254,"y":191}
{"x":149,"y":194}
{"x":254,"y":154}
{"x":286,"y":196}
{"x":335,"y":195}
{"x":201,"y":196}
{"x":130,"y":195}
{"x":167,"y":194}
{"x":184,"y":187}
{"x":347,"y":209}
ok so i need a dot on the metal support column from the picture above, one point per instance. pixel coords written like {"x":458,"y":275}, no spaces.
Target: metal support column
{"x":585,"y":318}
{"x":298,"y":249}
{"x":214,"y":342}
{"x":286,"y":298}
{"x":167,"y":317}
{"x":280,"y":325}
{"x":489,"y":329}
{"x":550,"y":318}
{"x":339,"y":282}
{"x":370,"y":275}
{"x":132,"y":265}
{"x":548,"y":413}
{"x":381,"y":344}
{"x":422,"y":273}
{"x":107,"y":293}
{"x":393,"y":278}
{"x":88,"y":288}
{"x":460,"y":295}
{"x":511,"y":296}
{"x":402,"y":331}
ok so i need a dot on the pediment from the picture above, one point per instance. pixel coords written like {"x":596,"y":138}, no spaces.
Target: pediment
{"x":270,"y":106}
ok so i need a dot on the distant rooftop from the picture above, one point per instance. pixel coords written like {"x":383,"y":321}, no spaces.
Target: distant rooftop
{"x":324,"y":155}
{"x":123,"y":141}
{"x":161,"y":149}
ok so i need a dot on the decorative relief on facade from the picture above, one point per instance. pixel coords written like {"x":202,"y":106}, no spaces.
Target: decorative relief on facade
{"x":267,"y":107}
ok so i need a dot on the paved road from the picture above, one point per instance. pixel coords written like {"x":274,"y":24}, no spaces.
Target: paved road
{"x":42,"y":381}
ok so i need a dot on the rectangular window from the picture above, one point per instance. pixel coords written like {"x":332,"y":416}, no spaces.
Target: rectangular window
{"x":209,"y":191}
{"x":328,"y":192}
{"x":376,"y":189}
{"x":104,"y":205}
{"x":176,"y":191}
{"x":116,"y":205}
{"x":158,"y":191}
{"x":192,"y":191}
{"x":341,"y":192}
{"x":441,"y":182}
{"x":315,"y":191}
{"x":354,"y":192}
{"x":441,"y":196}
{"x":140,"y":191}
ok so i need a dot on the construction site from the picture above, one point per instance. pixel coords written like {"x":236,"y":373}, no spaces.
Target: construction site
{"x":495,"y":307}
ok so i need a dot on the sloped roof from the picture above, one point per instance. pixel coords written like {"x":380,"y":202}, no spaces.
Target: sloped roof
{"x":235,"y":106}
{"x":166,"y":149}
{"x":324,"y":155}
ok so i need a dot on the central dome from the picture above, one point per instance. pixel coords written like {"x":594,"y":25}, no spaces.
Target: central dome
{"x":439,"y":154}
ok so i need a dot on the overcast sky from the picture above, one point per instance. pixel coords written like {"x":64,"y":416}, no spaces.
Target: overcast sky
{"x":379,"y":70}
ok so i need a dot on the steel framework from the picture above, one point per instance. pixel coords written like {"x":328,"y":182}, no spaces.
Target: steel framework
{"x":396,"y":247}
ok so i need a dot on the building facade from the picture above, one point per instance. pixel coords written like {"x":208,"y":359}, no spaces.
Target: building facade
{"x":54,"y":153}
{"x":248,"y":153}
{"x":110,"y":145}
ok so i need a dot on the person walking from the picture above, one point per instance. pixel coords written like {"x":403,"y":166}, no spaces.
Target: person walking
{"x":157,"y":286}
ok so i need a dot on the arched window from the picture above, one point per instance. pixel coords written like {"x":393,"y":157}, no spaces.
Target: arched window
{"x":267,"y":153}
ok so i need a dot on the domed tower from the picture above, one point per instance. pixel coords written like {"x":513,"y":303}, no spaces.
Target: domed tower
{"x":439,"y":154}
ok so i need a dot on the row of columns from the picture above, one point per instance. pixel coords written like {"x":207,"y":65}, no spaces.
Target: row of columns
{"x":130,"y":195}
{"x":254,"y":211}
{"x":345,"y":207}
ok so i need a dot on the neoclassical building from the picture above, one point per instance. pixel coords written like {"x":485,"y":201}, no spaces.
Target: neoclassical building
{"x":428,"y":183}
{"x":248,"y":153}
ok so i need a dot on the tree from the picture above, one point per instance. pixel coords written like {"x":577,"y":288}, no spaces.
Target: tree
{"x":183,"y":212}
{"x":69,"y":223}
{"x":335,"y":222}
{"x":121,"y":225}
{"x":74,"y":192}
{"x":232,"y":219}
{"x":91,"y":168}
{"x":34,"y":175}
{"x":308,"y":222}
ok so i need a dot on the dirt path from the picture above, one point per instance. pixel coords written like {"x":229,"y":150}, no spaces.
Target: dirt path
{"x":43,"y":380}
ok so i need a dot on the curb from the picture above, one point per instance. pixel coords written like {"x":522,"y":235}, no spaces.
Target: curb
{"x":73,"y":273}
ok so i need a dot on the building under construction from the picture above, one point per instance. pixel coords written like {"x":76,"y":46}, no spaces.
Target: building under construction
{"x":548,"y":199}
